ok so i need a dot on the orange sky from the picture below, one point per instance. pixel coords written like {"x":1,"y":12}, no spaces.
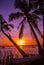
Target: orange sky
{"x":27,"y":41}
{"x":7,"y":7}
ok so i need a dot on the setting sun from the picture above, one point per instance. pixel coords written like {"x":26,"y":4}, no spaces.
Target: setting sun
{"x":21,"y":42}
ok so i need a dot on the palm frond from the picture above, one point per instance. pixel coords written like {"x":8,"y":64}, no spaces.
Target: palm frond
{"x":15,"y":15}
{"x":21,"y":4}
{"x":11,"y":25}
{"x":4,"y":22}
{"x":38,"y":11}
{"x":39,"y":3}
{"x":35,"y":16}
{"x":34,"y":24}
{"x":5,"y":27}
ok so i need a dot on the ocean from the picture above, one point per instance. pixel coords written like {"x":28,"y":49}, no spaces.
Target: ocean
{"x":9,"y":50}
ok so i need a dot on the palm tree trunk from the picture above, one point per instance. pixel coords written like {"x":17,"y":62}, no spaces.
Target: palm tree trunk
{"x":38,"y":43}
{"x":42,"y":11}
{"x":43,"y":32}
{"x":19,"y":49}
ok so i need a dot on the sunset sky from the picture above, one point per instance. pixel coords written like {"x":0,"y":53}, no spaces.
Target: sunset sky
{"x":7,"y":7}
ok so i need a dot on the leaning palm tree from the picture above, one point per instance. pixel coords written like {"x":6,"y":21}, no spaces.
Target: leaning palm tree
{"x":5,"y":28}
{"x":25,"y":12}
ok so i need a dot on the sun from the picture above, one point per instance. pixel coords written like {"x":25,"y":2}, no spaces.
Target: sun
{"x":21,"y":42}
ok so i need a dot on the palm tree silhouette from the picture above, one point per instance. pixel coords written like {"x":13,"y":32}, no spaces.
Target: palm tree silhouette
{"x":25,"y":12}
{"x":40,"y":11}
{"x":5,"y":27}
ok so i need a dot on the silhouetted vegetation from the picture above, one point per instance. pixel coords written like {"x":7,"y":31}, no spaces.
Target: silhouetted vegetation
{"x":40,"y":11}
{"x":5,"y":28}
{"x":30,"y":18}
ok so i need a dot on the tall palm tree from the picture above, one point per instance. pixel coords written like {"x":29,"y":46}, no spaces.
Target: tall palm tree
{"x":5,"y":27}
{"x":25,"y":12}
{"x":40,"y":11}
{"x":41,"y":8}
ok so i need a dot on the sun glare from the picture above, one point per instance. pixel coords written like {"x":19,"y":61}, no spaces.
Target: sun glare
{"x":21,"y":42}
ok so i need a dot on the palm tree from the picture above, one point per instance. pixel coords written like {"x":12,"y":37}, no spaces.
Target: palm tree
{"x":31,"y":18}
{"x":5,"y":27}
{"x":41,"y":8}
{"x":40,"y":11}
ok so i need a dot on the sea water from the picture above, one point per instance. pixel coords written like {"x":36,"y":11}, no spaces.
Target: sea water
{"x":28,"y":49}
